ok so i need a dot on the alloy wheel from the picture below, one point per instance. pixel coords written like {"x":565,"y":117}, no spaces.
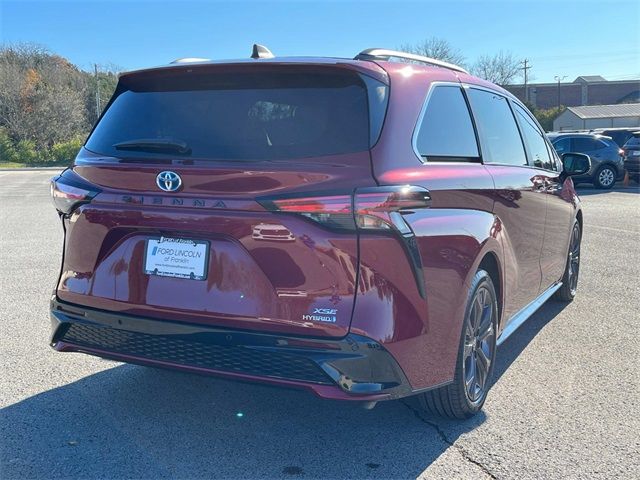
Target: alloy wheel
{"x":606,"y":177}
{"x":574,"y":259}
{"x":479,"y":345}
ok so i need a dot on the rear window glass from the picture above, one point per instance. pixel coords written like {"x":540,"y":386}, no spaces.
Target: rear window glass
{"x":446,"y":132}
{"x":633,"y":141}
{"x":242,"y":116}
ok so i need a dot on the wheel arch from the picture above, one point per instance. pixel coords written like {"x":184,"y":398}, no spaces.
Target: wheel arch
{"x":491,"y":265}
{"x":579,"y":219}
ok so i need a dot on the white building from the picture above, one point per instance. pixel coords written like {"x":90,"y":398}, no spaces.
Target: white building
{"x":598,"y":116}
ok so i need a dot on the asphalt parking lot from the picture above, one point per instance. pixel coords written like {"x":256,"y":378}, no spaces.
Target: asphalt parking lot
{"x":565,"y":403}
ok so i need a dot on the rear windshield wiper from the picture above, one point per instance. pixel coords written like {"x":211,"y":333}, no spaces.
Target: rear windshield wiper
{"x":154,"y":145}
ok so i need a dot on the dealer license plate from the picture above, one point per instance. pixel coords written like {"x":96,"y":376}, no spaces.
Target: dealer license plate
{"x":177,"y":257}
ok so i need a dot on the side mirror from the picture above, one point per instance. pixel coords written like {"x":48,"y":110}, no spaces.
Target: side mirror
{"x":575,"y":164}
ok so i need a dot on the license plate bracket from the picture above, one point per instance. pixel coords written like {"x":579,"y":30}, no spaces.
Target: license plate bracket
{"x":176,"y":257}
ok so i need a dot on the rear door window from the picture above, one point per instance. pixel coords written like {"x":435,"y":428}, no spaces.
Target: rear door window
{"x":585,"y":144}
{"x":446,"y":132}
{"x":499,"y":135}
{"x":242,"y":116}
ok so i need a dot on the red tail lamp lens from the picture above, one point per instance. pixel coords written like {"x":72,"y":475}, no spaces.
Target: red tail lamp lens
{"x":68,"y":192}
{"x":329,"y":204}
{"x":380,"y":207}
{"x":376,"y":208}
{"x":333,"y":211}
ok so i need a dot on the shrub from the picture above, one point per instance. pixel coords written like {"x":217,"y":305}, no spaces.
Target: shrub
{"x":65,"y":152}
{"x":26,"y":152}
{"x":7,"y":148}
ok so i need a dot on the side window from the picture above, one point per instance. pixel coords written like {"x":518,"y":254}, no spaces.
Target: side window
{"x":584,"y":144}
{"x":499,"y":135}
{"x":446,"y":132}
{"x":534,"y":138}
{"x":562,"y":145}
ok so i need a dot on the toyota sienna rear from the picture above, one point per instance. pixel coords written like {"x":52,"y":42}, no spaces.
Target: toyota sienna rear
{"x":274,"y":220}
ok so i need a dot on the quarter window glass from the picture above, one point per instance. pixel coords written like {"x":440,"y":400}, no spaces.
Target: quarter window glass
{"x":446,"y":132}
{"x":534,"y":138}
{"x":499,"y":136}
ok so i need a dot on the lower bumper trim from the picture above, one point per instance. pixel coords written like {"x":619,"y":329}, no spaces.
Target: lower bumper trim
{"x":351,"y":368}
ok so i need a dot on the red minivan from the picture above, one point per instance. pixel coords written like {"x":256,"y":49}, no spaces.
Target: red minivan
{"x":366,"y":229}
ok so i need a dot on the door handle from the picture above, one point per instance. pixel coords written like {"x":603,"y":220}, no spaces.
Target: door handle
{"x":538,"y":185}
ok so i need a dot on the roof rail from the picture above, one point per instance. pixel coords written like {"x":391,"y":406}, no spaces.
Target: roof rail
{"x":384,"y":54}
{"x":190,"y":60}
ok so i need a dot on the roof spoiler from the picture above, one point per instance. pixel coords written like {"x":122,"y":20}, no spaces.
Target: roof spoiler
{"x":373,"y":54}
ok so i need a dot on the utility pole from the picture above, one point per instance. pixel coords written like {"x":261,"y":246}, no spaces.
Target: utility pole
{"x":95,"y":69}
{"x":525,"y":67}
{"x":559,"y":79}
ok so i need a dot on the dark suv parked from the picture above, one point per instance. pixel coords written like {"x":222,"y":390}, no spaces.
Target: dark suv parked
{"x":365,"y":229}
{"x":606,"y":156}
{"x":619,"y":135}
{"x":632,"y":157}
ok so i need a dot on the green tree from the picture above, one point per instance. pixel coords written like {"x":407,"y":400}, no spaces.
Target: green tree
{"x":547,"y":116}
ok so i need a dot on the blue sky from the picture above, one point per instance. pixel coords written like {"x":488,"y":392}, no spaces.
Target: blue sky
{"x":558,"y":37}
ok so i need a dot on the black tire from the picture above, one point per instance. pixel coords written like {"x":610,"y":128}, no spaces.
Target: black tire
{"x":455,"y":400}
{"x":605,"y":177}
{"x":569,"y":288}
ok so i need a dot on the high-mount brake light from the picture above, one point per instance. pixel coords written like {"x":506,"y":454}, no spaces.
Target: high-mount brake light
{"x":68,"y":191}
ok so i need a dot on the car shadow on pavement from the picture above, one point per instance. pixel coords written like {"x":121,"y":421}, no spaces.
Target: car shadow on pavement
{"x":135,"y":422}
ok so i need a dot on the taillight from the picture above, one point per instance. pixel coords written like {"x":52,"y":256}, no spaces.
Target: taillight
{"x":333,"y":211}
{"x":69,"y":190}
{"x":371,"y":208}
{"x":379,"y":208}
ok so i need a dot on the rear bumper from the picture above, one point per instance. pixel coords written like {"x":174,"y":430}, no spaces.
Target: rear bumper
{"x":352,"y":368}
{"x":632,"y":166}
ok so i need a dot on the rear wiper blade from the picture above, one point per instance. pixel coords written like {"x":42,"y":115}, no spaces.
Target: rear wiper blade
{"x":154,"y":145}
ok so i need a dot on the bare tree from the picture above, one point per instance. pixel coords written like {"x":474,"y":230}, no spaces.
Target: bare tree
{"x":437,"y":48}
{"x":501,"y":68}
